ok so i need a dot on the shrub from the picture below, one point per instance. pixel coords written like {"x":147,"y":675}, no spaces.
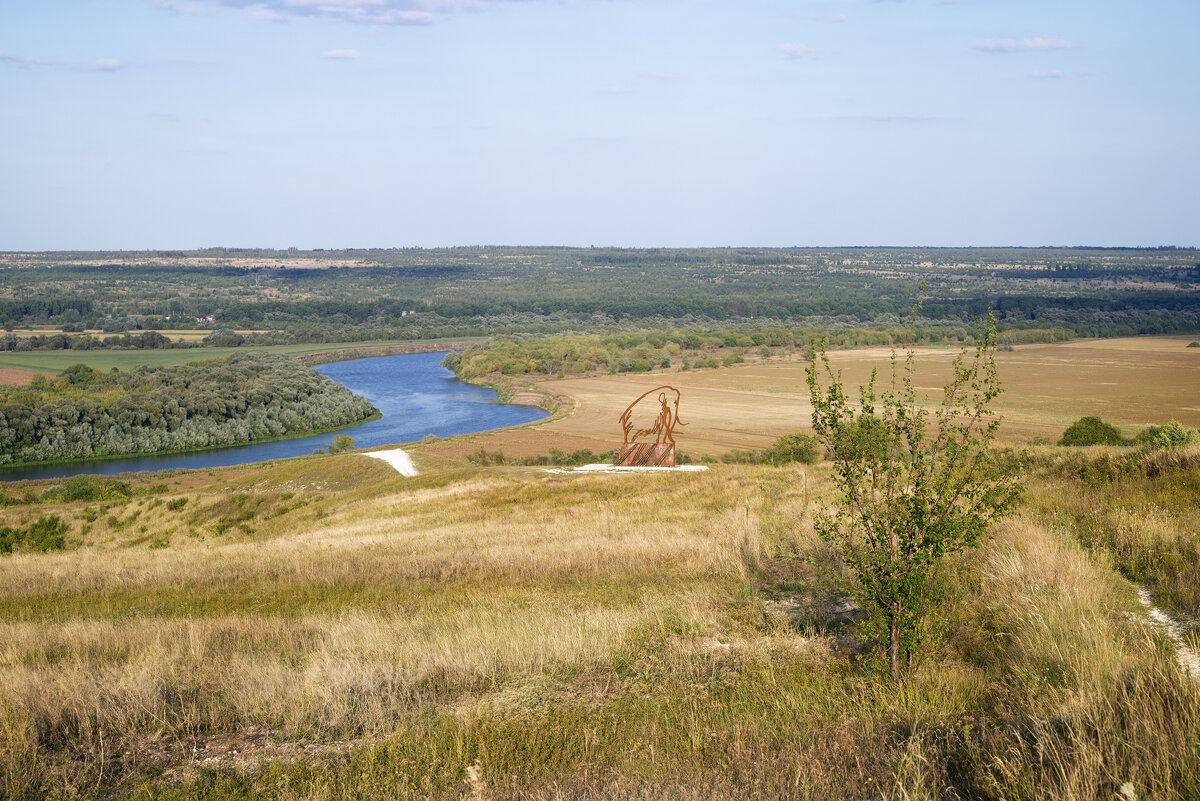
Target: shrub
{"x":47,"y":534}
{"x":341,"y":442}
{"x":1174,"y":434}
{"x":88,"y":488}
{"x":796,"y":447}
{"x":1092,"y":431}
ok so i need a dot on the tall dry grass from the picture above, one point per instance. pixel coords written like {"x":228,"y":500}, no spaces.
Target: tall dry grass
{"x":507,"y":634}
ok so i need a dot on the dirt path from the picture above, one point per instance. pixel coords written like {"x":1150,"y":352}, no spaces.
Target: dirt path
{"x":1187,"y":656}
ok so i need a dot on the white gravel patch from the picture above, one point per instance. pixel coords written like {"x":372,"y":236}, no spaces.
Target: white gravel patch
{"x":398,"y":459}
{"x":1189,"y":660}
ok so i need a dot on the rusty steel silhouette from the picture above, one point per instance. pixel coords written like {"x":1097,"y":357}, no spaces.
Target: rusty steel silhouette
{"x":660,"y":452}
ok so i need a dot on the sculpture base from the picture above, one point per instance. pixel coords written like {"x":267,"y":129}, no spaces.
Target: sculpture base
{"x":645,"y":454}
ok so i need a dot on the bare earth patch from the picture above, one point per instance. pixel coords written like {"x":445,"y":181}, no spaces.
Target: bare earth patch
{"x":12,"y":377}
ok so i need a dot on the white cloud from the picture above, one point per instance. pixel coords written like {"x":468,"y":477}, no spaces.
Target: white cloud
{"x":1046,"y":74}
{"x":103,"y":65}
{"x":792,"y":50}
{"x":1011,"y":45}
{"x":343,"y":55}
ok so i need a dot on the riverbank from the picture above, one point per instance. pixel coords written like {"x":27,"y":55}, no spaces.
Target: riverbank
{"x":188,"y":451}
{"x":415,"y":396}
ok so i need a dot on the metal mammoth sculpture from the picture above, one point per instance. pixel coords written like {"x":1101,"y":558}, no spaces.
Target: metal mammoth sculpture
{"x":656,"y":418}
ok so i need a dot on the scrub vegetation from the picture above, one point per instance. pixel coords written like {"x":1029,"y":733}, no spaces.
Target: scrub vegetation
{"x":321,"y":628}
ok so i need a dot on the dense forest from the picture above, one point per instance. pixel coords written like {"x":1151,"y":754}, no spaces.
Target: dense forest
{"x":256,"y":297}
{"x":84,"y":413}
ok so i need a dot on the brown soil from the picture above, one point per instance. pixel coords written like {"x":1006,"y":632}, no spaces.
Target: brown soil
{"x":13,"y":377}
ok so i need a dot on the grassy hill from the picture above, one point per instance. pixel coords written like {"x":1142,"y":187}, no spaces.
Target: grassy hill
{"x":322,"y":628}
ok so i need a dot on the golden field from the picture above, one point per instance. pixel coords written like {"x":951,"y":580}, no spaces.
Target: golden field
{"x":1133,"y":383}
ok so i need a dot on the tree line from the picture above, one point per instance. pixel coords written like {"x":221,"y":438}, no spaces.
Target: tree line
{"x":84,"y":413}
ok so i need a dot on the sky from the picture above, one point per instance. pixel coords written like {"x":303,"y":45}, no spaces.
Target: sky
{"x":129,"y":124}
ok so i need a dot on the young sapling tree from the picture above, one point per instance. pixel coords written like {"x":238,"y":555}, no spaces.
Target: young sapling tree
{"x":914,"y":485}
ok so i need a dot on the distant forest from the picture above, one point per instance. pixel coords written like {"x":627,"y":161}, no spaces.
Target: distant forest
{"x":84,"y":413}
{"x":119,"y":300}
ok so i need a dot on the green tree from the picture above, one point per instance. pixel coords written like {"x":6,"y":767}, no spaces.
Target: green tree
{"x":914,"y":485}
{"x":1092,"y":431}
{"x":341,"y":442}
{"x":795,"y":447}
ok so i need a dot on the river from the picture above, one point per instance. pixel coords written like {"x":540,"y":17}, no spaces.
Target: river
{"x":416,"y":395}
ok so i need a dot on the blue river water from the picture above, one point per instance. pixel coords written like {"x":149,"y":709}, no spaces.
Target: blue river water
{"x":416,"y":395}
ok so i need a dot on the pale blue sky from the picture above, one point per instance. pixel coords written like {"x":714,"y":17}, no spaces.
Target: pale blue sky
{"x":379,"y":123}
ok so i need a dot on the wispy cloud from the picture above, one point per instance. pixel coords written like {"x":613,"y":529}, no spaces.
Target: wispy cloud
{"x":1011,"y":45}
{"x":894,"y":118}
{"x":830,"y":18}
{"x":364,"y":12}
{"x":183,"y":9}
{"x":341,"y":55}
{"x":793,"y":50}
{"x":103,"y":65}
{"x":14,"y":61}
{"x":23,"y":63}
{"x":1046,"y":74}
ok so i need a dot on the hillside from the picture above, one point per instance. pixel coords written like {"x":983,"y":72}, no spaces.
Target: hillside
{"x":321,"y":627}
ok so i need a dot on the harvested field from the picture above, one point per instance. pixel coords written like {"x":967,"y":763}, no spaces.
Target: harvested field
{"x":1132,"y":382}
{"x":13,"y":377}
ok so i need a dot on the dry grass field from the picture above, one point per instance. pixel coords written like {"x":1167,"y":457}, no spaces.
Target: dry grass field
{"x":322,"y":628}
{"x":1133,"y":383}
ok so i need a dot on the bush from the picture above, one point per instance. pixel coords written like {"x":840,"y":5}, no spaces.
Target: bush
{"x":1174,"y":434}
{"x":1092,"y":431}
{"x":341,"y":442}
{"x":88,"y":488}
{"x":47,"y":534}
{"x":797,"y":447}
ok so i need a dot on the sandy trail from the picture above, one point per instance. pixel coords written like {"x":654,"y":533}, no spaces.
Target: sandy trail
{"x":1189,"y":660}
{"x":398,"y":459}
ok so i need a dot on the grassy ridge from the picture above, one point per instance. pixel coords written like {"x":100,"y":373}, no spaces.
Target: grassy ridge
{"x":504,"y":633}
